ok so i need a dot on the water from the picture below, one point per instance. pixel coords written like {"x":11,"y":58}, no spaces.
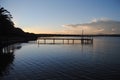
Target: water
{"x":32,"y":61}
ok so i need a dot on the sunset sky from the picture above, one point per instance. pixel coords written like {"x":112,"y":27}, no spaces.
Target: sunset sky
{"x":65,"y":16}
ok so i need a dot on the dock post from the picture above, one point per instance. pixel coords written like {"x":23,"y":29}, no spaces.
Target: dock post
{"x":82,"y":41}
{"x":68,"y":41}
{"x":73,"y":41}
{"x":53,"y":41}
{"x":63,"y":41}
{"x":92,"y":40}
{"x":44,"y":41}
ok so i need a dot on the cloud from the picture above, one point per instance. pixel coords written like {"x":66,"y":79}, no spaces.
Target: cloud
{"x":101,"y":19}
{"x":96,"y":26}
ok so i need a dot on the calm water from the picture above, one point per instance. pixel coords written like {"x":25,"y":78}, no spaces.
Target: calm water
{"x":32,"y":61}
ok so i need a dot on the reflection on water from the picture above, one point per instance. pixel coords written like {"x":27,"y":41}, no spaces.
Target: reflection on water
{"x":6,"y":59}
{"x":97,"y":61}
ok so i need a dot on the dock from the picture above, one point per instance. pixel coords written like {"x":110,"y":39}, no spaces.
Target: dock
{"x":64,"y":40}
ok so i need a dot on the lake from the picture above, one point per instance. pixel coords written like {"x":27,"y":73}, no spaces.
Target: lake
{"x":32,"y":61}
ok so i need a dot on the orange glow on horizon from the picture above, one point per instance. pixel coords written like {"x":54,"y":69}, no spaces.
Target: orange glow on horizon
{"x":38,"y":31}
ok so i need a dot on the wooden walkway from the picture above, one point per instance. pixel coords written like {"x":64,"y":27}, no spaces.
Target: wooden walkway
{"x":54,"y":39}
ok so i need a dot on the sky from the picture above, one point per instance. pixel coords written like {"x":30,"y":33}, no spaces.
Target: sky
{"x":65,"y":16}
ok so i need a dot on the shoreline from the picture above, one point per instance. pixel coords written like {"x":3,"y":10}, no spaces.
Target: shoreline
{"x":5,"y":41}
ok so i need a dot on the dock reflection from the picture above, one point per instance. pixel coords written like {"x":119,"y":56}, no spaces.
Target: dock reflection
{"x":7,"y":58}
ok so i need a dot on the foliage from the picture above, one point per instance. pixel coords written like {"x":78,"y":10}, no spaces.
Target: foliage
{"x":7,"y":25}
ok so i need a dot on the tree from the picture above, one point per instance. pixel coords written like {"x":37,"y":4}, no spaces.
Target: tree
{"x":6,"y":24}
{"x":7,"y":28}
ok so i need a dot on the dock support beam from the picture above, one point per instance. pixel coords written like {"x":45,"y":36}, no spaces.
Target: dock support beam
{"x":63,"y":41}
{"x":53,"y":41}
{"x":68,"y":41}
{"x":73,"y":41}
{"x":44,"y":41}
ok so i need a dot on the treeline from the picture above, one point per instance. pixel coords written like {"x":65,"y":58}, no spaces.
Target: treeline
{"x":78,"y":35}
{"x":8,"y":32}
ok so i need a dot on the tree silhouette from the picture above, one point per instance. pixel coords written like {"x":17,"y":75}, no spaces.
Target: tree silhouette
{"x":9,"y":31}
{"x":6,"y":24}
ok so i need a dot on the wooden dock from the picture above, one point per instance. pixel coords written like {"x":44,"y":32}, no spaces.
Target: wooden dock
{"x":65,"y":40}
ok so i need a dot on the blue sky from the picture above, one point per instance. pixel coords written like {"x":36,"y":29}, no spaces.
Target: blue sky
{"x":54,"y":16}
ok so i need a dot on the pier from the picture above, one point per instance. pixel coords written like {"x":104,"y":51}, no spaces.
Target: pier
{"x":64,"y":40}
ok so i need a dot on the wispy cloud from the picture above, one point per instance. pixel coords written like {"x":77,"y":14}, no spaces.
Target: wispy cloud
{"x":96,"y":26}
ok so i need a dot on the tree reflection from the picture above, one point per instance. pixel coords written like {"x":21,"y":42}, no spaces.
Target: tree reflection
{"x":7,"y":58}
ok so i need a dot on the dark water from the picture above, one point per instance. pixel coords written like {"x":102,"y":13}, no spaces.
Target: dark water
{"x":32,"y":61}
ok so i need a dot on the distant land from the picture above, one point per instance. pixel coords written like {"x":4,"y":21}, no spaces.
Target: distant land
{"x":78,"y":35}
